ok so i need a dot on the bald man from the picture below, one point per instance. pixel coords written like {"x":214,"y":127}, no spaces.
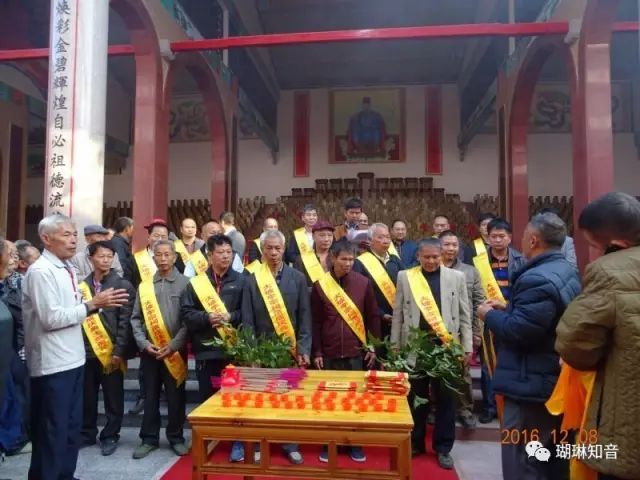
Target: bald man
{"x":255,"y":252}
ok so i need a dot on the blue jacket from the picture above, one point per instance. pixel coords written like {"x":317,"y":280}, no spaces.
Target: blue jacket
{"x":528,"y":365}
{"x":408,"y":251}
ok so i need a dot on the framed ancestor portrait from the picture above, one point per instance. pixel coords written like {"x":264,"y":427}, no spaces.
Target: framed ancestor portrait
{"x":367,"y":125}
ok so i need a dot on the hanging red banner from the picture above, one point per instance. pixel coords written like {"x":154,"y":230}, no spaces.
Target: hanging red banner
{"x":301,"y":111}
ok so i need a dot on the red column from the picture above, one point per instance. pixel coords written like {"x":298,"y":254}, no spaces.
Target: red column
{"x":301,"y":136}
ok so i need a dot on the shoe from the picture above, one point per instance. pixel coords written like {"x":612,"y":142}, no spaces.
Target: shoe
{"x":138,"y":407}
{"x":107,"y":447}
{"x":324,"y":455}
{"x":295,"y":457}
{"x":256,"y":456}
{"x":468,"y":422}
{"x":415,"y":451}
{"x":487,"y":417}
{"x":180,"y":449}
{"x":357,"y":455}
{"x":143,"y":450}
{"x":237,"y":452}
{"x":445,"y":461}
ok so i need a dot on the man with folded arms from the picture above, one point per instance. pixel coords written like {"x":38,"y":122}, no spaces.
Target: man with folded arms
{"x":188,"y":243}
{"x":161,"y":336}
{"x":53,"y":312}
{"x":210,"y":307}
{"x":302,"y":235}
{"x":341,"y":297}
{"x":433,"y":297}
{"x":276,"y":300}
{"x":106,"y":339}
{"x":314,"y":261}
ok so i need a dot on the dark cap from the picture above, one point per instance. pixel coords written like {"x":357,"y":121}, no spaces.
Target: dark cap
{"x":91,"y":229}
{"x":156,"y":222}
{"x":322,"y":225}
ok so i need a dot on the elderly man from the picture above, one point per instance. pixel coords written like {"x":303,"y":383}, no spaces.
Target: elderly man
{"x":382,"y":269}
{"x":255,"y":252}
{"x":227,"y":221}
{"x":334,"y":346}
{"x":199,"y":263}
{"x":450,"y":244}
{"x":188,"y":243}
{"x":121,"y":241}
{"x":599,"y":333}
{"x":81,"y":262}
{"x":27,"y":255}
{"x":302,"y":235}
{"x":276,"y":301}
{"x":352,"y":212}
{"x":53,"y":313}
{"x":402,"y":247}
{"x":528,"y":365}
{"x":423,"y":290}
{"x":161,"y":337}
{"x":313,"y":263}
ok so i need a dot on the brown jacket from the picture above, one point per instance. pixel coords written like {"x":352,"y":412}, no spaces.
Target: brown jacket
{"x":600,"y":331}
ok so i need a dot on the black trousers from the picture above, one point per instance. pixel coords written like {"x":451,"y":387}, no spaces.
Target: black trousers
{"x":156,"y":375}
{"x":205,"y":370}
{"x":56,"y":417}
{"x":444,"y":432}
{"x":113,"y":397}
{"x":347,"y":364}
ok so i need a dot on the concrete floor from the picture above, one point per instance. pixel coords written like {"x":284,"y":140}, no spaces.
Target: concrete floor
{"x":473,"y":461}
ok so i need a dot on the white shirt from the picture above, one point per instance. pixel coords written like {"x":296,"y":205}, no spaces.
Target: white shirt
{"x":53,"y":313}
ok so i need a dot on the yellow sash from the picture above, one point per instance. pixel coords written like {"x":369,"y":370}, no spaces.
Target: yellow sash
{"x":427,"y":305}
{"x":275,"y":304}
{"x":199,"y":262}
{"x":480,"y":247}
{"x":146,"y":266}
{"x":257,"y":242}
{"x":253,"y":266}
{"x":211,"y":301}
{"x":392,"y":250}
{"x":158,"y":333}
{"x":570,"y":398}
{"x":344,"y":305}
{"x":311,"y":263}
{"x":380,"y":276}
{"x":181,"y":249}
{"x":98,"y":336}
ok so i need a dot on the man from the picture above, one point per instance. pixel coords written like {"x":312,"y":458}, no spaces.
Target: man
{"x":144,"y":259}
{"x":352,"y":212}
{"x":316,"y":262}
{"x":6,"y":352}
{"x":209,"y":306}
{"x":422,"y":291}
{"x":599,"y":333}
{"x":401,"y":246}
{"x":363,"y":222}
{"x":255,"y":253}
{"x":334,"y":346}
{"x":81,"y":262}
{"x":496,"y":267}
{"x":121,"y":241}
{"x":106,"y":340}
{"x":161,"y":336}
{"x":482,"y":240}
{"x":441,"y":224}
{"x":53,"y":313}
{"x":227,"y":221}
{"x":288,"y":299}
{"x":27,"y":255}
{"x":309,"y":218}
{"x":568,"y":248}
{"x":450,"y":245}
{"x":188,"y":243}
{"x":381,"y":269}
{"x":528,"y":365}
{"x":199,"y":263}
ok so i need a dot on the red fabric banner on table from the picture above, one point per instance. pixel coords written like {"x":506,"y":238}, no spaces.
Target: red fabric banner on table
{"x":301,"y":134}
{"x":433,"y":133}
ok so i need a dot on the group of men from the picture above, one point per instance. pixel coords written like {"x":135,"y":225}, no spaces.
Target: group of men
{"x":326,"y":290}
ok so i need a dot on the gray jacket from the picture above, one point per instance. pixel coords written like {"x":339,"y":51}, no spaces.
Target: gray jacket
{"x":83,"y":267}
{"x":475,"y":293}
{"x":168,"y":291}
{"x":238,"y":242}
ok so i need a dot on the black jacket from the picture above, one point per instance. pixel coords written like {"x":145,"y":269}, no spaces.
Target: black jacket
{"x":528,"y":365}
{"x":123,"y":249}
{"x":197,"y":319}
{"x":253,"y":252}
{"x":116,"y":320}
{"x":393,"y":266}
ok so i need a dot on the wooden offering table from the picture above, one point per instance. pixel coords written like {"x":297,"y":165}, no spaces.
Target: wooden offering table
{"x":212,"y":422}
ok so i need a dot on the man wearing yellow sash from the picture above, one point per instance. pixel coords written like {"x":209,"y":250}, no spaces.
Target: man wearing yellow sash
{"x":199,"y":263}
{"x":255,"y":252}
{"x":143,"y":259}
{"x":309,"y":217}
{"x":276,"y":300}
{"x":524,"y":331}
{"x":441,"y":223}
{"x":107,"y":337}
{"x":381,"y":269}
{"x":433,"y":297}
{"x":344,"y":312}
{"x":314,"y":261}
{"x":161,"y":336}
{"x":188,"y":243}
{"x":210,"y":307}
{"x":599,"y":341}
{"x":401,"y":246}
{"x":481,"y":243}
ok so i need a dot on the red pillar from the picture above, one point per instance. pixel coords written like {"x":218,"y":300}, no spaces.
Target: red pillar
{"x":593,"y":166}
{"x":151,"y":142}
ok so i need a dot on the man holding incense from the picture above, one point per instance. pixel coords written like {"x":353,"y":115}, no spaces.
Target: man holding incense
{"x":210,"y":308}
{"x":345,"y":312}
{"x":161,"y":335}
{"x":276,"y":300}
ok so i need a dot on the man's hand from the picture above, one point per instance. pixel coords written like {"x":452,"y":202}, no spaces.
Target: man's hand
{"x":387,"y":318}
{"x":303,"y":360}
{"x":152,"y":350}
{"x":497,"y":304}
{"x":483,"y":309}
{"x":319,"y":363}
{"x":116,"y":362}
{"x":370,"y":359}
{"x":108,"y":298}
{"x":217,"y":319}
{"x":164,"y":352}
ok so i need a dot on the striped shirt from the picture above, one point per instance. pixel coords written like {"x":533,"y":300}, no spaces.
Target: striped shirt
{"x":501,"y":273}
